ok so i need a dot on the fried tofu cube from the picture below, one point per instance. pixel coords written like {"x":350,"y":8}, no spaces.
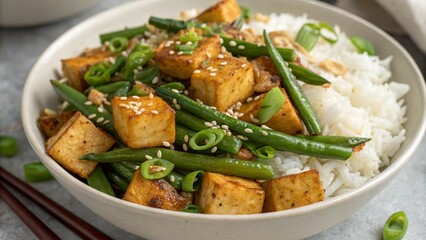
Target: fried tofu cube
{"x":223,"y":83}
{"x":75,"y":68}
{"x":96,"y":97}
{"x":181,"y":66}
{"x":52,"y":122}
{"x":77,"y":137}
{"x":286,"y":120}
{"x":154,"y":193}
{"x":141,"y":122}
{"x":225,"y":11}
{"x":222,"y":194}
{"x":293,"y":191}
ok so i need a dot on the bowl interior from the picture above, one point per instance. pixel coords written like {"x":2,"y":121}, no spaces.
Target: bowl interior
{"x":39,"y":94}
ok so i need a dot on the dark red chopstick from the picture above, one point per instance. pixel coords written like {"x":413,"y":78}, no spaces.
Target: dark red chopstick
{"x":74,"y":223}
{"x":36,"y":226}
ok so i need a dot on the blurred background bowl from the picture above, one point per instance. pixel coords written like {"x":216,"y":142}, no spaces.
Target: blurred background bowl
{"x":25,"y":13}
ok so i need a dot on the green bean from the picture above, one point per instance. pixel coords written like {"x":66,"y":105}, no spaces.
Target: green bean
{"x":101,"y":119}
{"x":171,"y":25}
{"x":396,"y":226}
{"x":307,"y":76}
{"x":126,"y":33}
{"x":251,"y":50}
{"x":174,"y":85}
{"x":117,"y":180}
{"x":192,"y":181}
{"x":98,"y":180}
{"x":36,"y":172}
{"x":123,"y":170}
{"x":191,"y":208}
{"x":156,"y":168}
{"x":121,"y":92}
{"x":189,"y":161}
{"x":175,"y":179}
{"x":111,"y":87}
{"x":294,"y":90}
{"x":119,"y":63}
{"x":147,"y":75}
{"x":275,"y":139}
{"x":8,"y":146}
{"x":337,"y":140}
{"x":229,"y":144}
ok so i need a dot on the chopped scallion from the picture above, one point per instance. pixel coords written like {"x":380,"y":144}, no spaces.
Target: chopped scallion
{"x":363,"y":45}
{"x":270,"y":105}
{"x":308,"y":36}
{"x":327,"y":32}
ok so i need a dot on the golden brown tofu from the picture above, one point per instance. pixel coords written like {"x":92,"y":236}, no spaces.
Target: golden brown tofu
{"x":181,"y":66}
{"x":265,"y":74}
{"x":51,"y":123}
{"x":225,"y":11}
{"x":75,"y":68}
{"x":293,"y":191}
{"x":146,"y":121}
{"x":223,"y":83}
{"x":286,"y":120}
{"x":222,"y":194}
{"x":96,"y":97}
{"x":77,"y":137}
{"x":154,"y":193}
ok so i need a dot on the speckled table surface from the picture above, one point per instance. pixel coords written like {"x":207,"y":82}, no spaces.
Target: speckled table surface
{"x":20,"y":48}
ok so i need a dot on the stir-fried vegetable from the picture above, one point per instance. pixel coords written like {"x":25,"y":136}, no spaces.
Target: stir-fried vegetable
{"x":127,"y":33}
{"x":8,"y":146}
{"x":36,"y":172}
{"x":99,"y":181}
{"x":362,"y":45}
{"x":396,"y":226}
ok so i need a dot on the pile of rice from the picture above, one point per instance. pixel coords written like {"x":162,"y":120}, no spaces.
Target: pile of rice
{"x":361,"y":103}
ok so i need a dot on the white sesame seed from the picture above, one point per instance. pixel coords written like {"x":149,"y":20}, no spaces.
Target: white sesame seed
{"x":209,"y":68}
{"x":101,"y":119}
{"x":214,"y":122}
{"x":186,"y":138}
{"x":88,"y":103}
{"x":244,"y":65}
{"x":174,"y":101}
{"x":226,"y":127}
{"x":223,"y":63}
{"x":214,"y":149}
{"x":213,"y":107}
{"x":221,"y":40}
{"x":199,"y":101}
{"x":150,"y":104}
{"x":239,"y":104}
{"x":180,"y":53}
{"x":172,"y":178}
{"x":148,"y":157}
{"x":178,"y":43}
{"x":178,"y":107}
{"x":212,"y":74}
{"x":166,"y":144}
{"x":249,"y":99}
{"x":159,"y":154}
{"x":248,"y":130}
{"x":188,"y":43}
{"x":256,"y":98}
{"x":171,"y":52}
{"x":232,"y":43}
{"x":101,"y":109}
{"x":209,"y":55}
{"x":137,"y":167}
{"x":242,"y":137}
{"x":185,"y":147}
{"x":123,"y":98}
{"x":213,"y":70}
{"x":259,"y":45}
{"x":197,"y":71}
{"x":154,"y":112}
{"x":172,"y":147}
{"x":123,"y":105}
{"x":264,"y":133}
{"x":208,"y":124}
{"x":242,"y":47}
{"x":220,"y":56}
{"x":135,"y":97}
{"x":124,"y":53}
{"x":151,"y":95}
{"x":265,"y":127}
{"x":92,"y":116}
{"x":223,"y":49}
{"x":142,"y":110}
{"x":155,"y":80}
{"x":240,"y":115}
{"x":175,"y":90}
{"x":140,"y":68}
{"x":186,"y":92}
{"x":106,"y":121}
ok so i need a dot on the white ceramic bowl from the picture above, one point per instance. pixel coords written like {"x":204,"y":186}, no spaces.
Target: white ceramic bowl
{"x":24,"y":13}
{"x":154,"y":223}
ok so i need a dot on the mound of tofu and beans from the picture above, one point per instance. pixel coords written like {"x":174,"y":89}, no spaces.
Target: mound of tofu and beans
{"x":185,"y":115}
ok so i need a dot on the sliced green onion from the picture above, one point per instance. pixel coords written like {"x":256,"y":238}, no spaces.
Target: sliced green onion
{"x":396,"y":226}
{"x":147,"y":75}
{"x":363,"y":45}
{"x":118,"y":44}
{"x":246,"y":12}
{"x":189,"y":36}
{"x":156,"y":168}
{"x":327,"y":32}
{"x":192,"y":181}
{"x":98,"y":74}
{"x":175,"y":179}
{"x":191,"y":208}
{"x":258,"y":150}
{"x":144,"y":48}
{"x":206,"y":139}
{"x":308,"y":36}
{"x":270,"y":105}
{"x":36,"y":172}
{"x":8,"y":146}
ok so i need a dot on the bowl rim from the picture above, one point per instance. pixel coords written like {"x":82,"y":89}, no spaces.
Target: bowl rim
{"x":391,"y":170}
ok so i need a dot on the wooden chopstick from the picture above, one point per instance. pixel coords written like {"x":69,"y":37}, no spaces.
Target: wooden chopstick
{"x":36,"y":226}
{"x":74,"y":223}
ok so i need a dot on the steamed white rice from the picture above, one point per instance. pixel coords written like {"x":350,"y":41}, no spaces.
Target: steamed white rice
{"x":361,"y":103}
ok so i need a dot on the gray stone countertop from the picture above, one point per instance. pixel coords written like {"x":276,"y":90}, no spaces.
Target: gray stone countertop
{"x":20,"y":48}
